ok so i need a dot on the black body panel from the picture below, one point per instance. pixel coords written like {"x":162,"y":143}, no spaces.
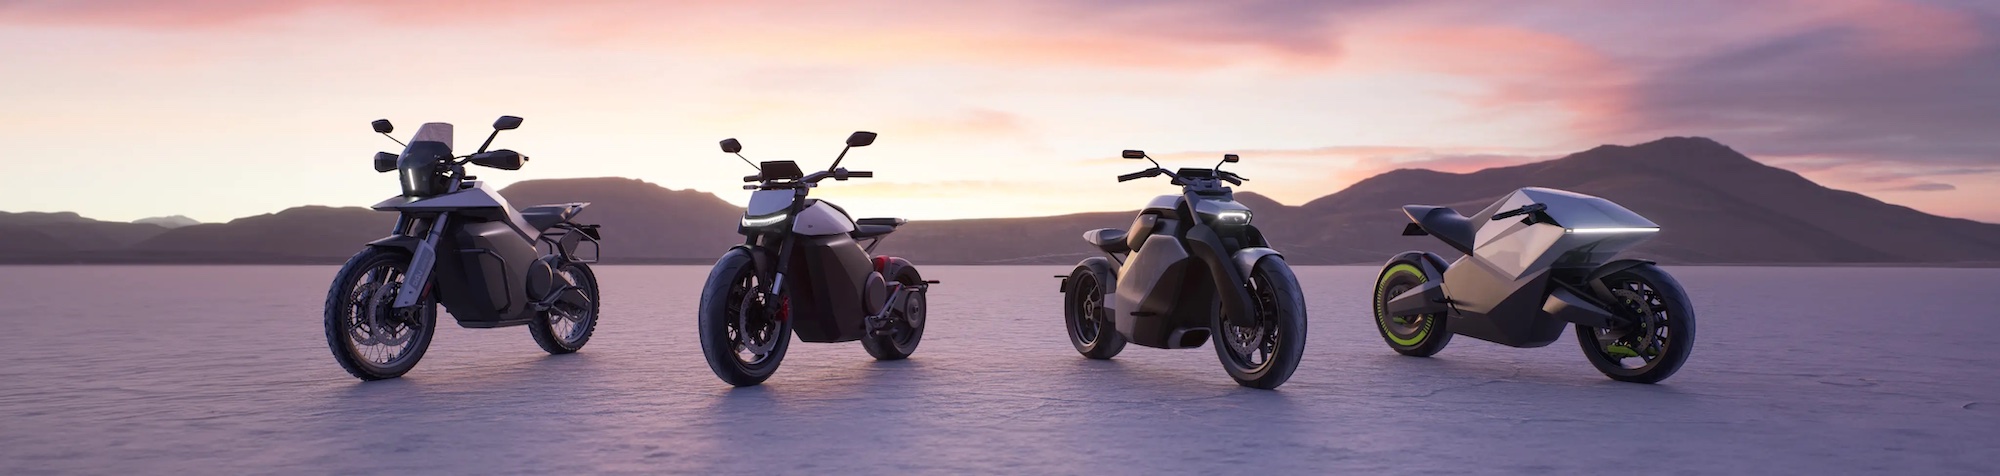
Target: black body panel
{"x":824,"y":281}
{"x":491,"y":263}
{"x":1516,"y":319}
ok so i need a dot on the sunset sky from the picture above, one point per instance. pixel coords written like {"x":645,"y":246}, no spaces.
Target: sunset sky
{"x":220,"y":109}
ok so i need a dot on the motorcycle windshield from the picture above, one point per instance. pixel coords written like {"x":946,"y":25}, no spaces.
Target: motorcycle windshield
{"x":434,"y":132}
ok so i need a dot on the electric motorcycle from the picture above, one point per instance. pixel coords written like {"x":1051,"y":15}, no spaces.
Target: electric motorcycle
{"x":1535,"y":261}
{"x":1190,"y":269}
{"x":458,"y":243}
{"x":801,"y":269}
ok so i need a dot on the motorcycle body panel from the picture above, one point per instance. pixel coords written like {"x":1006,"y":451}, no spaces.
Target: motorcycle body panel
{"x":822,"y":219}
{"x":826,"y":282}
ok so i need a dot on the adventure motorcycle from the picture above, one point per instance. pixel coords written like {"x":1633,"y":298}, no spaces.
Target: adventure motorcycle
{"x":1521,"y":281}
{"x":801,"y":269}
{"x":1191,"y":268}
{"x":460,"y":244}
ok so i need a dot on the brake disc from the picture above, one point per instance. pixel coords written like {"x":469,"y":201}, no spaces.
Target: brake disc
{"x":1642,"y":334}
{"x":751,"y":306}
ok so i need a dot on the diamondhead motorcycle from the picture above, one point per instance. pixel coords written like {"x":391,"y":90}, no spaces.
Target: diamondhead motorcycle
{"x":1190,"y":269}
{"x":458,"y":243}
{"x":802,"y":269}
{"x":1536,"y":261}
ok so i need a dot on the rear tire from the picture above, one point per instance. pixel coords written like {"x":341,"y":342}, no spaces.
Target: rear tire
{"x":559,"y":337}
{"x":359,"y":302}
{"x":1266,"y":360}
{"x":1664,"y":335}
{"x":908,"y":330}
{"x":731,"y":292}
{"x":1091,"y":330}
{"x":1421,"y":335}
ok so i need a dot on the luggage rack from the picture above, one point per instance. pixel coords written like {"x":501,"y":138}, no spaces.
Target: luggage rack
{"x":573,"y":235}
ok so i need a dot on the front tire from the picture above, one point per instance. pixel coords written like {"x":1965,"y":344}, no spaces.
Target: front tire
{"x":1264,"y":356}
{"x":1090,"y":328}
{"x":563,"y":328}
{"x":369,"y":337}
{"x":743,"y":343}
{"x":1421,"y":335}
{"x":1656,"y":346}
{"x":908,"y":329}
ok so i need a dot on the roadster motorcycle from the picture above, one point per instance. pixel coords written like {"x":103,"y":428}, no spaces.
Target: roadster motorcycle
{"x":802,"y":269}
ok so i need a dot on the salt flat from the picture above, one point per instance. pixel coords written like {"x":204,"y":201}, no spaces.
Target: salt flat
{"x":224,"y":370}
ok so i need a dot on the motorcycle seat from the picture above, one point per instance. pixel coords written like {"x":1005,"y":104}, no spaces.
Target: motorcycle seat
{"x":1444,"y":223}
{"x":1111,"y":240}
{"x":543,"y":217}
{"x":875,"y":227}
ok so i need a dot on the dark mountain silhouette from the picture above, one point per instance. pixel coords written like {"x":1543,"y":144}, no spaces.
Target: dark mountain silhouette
{"x":52,"y":237}
{"x":1715,"y":206}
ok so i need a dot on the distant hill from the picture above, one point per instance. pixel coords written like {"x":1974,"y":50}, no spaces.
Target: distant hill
{"x":1716,"y":206}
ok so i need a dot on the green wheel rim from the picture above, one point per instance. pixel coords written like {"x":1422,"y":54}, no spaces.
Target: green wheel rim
{"x":1382,"y":312}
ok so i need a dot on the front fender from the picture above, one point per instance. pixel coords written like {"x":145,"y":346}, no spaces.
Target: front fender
{"x":759,"y":261}
{"x":405,"y":243}
{"x":1246,"y":259}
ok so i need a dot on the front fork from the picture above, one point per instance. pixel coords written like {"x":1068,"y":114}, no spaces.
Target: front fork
{"x":418,"y":278}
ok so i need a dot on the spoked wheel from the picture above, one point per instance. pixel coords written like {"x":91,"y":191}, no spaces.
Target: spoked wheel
{"x":1264,"y":355}
{"x":565,"y":327}
{"x":369,"y":337}
{"x":1090,"y":328}
{"x":907,"y":328}
{"x":743,"y":341}
{"x":1655,"y":346}
{"x":1421,"y":335}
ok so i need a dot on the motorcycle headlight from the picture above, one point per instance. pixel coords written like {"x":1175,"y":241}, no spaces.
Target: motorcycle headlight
{"x":1232,"y":217}
{"x":419,"y":179}
{"x":763,"y":221}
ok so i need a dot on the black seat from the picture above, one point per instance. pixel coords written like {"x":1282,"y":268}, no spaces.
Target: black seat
{"x":1111,"y":240}
{"x":874,"y":227}
{"x":543,"y":217}
{"x":1444,"y":223}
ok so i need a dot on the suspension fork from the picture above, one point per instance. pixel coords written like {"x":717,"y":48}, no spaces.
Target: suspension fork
{"x":417,"y":281}
{"x":773,"y":292}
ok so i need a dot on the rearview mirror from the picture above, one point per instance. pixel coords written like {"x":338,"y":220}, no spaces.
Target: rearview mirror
{"x":1230,"y":158}
{"x":1135,"y":154}
{"x":731,"y":146}
{"x":506,"y":123}
{"x":860,"y":139}
{"x":383,"y":126}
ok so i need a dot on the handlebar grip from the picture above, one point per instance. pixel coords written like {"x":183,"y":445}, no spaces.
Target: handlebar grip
{"x":1134,"y":176}
{"x":753,"y":178}
{"x":861,"y":174}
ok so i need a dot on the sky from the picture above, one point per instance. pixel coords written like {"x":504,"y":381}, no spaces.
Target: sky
{"x":219,"y":109}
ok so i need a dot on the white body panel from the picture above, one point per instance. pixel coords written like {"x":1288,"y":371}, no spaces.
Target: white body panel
{"x":1517,"y":249}
{"x":821,"y":219}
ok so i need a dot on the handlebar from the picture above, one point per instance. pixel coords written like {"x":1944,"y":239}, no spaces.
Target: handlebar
{"x":1525,"y":209}
{"x":1138,"y":175}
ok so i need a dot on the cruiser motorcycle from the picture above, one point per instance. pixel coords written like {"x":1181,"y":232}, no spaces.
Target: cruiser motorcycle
{"x":802,"y":269}
{"x":1536,"y":261}
{"x":1189,"y":270}
{"x":458,"y":243}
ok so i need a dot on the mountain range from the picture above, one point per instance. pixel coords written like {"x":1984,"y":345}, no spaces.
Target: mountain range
{"x":1714,"y":205}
